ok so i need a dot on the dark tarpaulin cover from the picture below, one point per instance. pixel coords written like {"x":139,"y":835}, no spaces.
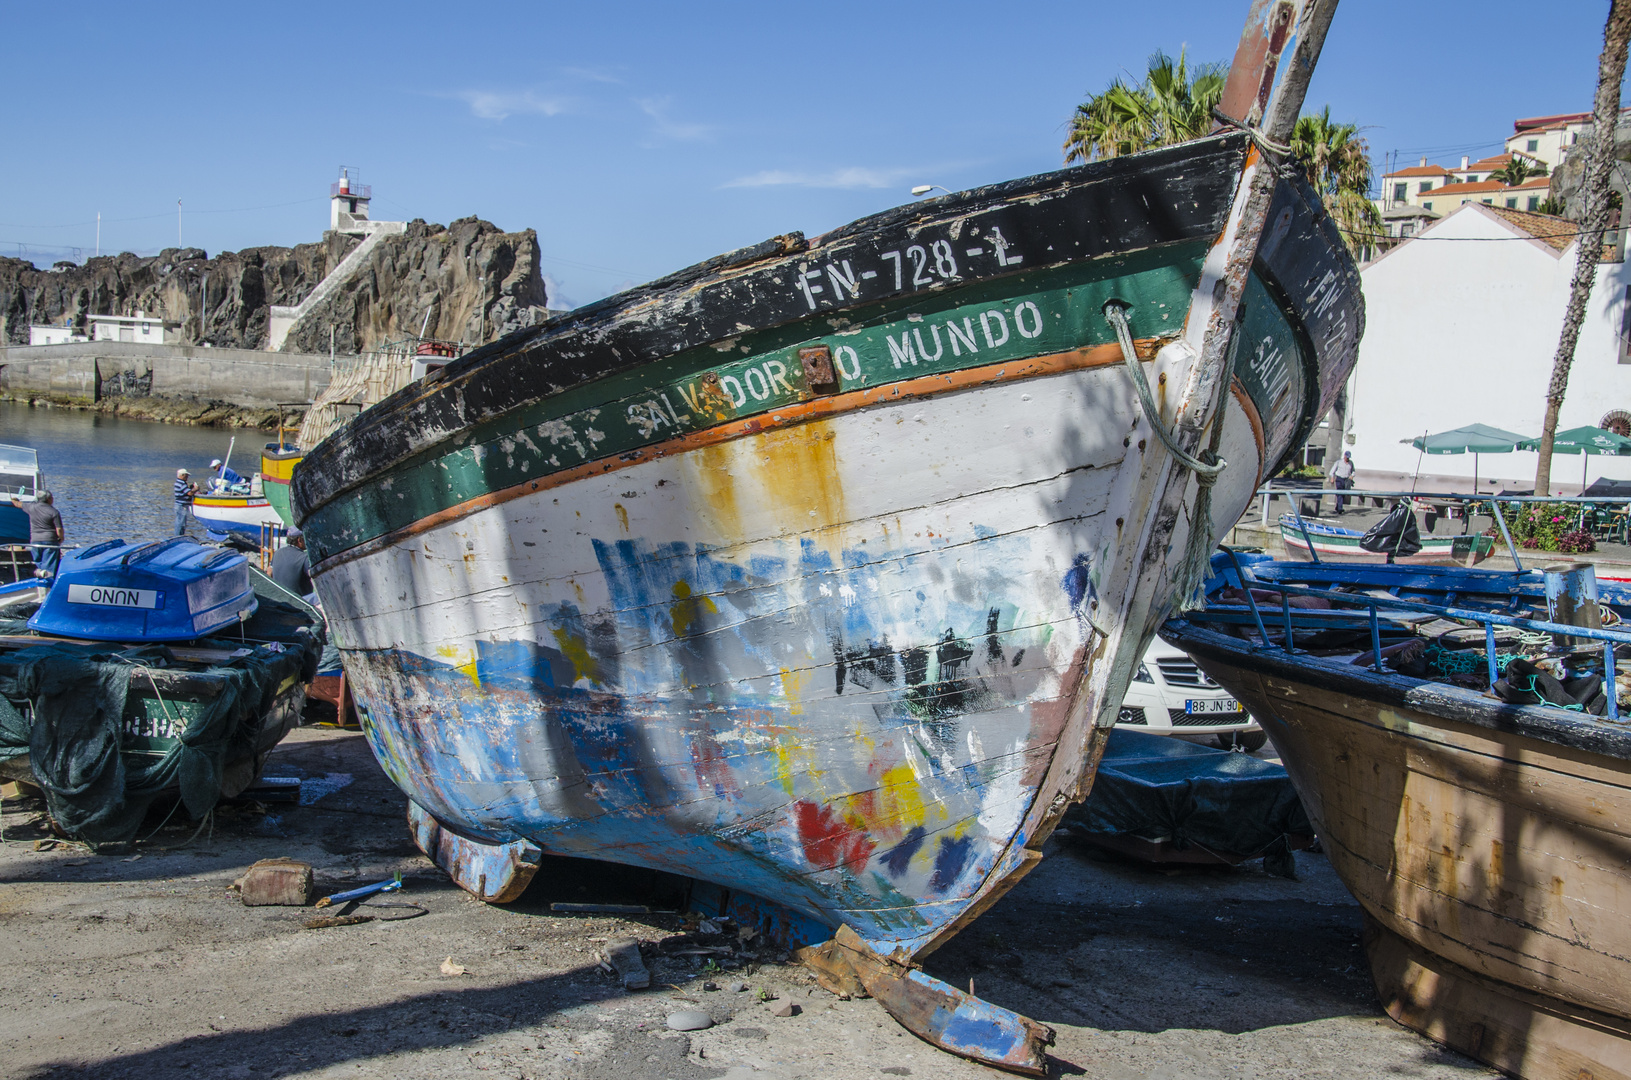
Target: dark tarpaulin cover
{"x":1161,"y":788}
{"x":75,"y":696}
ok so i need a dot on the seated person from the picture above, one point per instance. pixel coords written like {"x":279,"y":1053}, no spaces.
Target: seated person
{"x":224,"y":477}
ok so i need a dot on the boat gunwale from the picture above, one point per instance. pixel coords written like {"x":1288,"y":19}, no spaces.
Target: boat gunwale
{"x":579,"y":327}
{"x":1437,"y":700}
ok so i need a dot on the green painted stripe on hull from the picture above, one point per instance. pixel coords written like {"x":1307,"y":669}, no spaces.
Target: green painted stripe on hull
{"x":1012,"y":319}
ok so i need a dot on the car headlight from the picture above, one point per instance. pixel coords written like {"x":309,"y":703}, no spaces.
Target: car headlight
{"x":1144,"y":674}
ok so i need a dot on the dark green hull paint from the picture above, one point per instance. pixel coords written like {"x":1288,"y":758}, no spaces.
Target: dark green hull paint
{"x":1014,"y":318}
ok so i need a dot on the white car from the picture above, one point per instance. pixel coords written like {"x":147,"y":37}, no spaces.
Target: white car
{"x":1171,"y":695}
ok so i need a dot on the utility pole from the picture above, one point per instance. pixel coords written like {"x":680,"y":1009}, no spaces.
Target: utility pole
{"x":178,"y":223}
{"x":1593,"y":224}
{"x":99,"y":234}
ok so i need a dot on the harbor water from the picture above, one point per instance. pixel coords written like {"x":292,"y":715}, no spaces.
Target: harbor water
{"x":111,"y":477}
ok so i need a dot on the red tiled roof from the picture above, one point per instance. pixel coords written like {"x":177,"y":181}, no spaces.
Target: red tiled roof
{"x":1554,"y":232}
{"x":1480,"y":188}
{"x":1533,"y":183}
{"x":1530,"y":123}
{"x":1420,"y":170}
{"x":1499,"y":161}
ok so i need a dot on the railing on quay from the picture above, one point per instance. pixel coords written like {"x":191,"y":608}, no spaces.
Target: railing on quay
{"x":1468,"y":504}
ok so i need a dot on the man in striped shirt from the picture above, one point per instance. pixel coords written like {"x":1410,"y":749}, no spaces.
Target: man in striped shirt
{"x":185,"y":490}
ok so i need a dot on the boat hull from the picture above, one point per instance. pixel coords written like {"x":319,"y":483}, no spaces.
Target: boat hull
{"x":1489,"y":846}
{"x":813,"y":579}
{"x":1343,"y":544}
{"x":242,"y":514}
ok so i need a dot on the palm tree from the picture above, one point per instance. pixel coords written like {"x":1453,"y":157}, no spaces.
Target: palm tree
{"x":1337,"y":162}
{"x":1518,"y":170}
{"x":1170,"y":106}
{"x":1594,"y":223}
{"x":1173,"y":105}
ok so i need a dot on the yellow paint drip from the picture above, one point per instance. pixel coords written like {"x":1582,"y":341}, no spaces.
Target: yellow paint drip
{"x":462,"y":661}
{"x":686,"y":610}
{"x":576,"y":649}
{"x":794,"y":683}
{"x":622,"y":516}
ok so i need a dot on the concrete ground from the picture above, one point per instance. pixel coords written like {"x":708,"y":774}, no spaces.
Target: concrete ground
{"x":145,"y":964}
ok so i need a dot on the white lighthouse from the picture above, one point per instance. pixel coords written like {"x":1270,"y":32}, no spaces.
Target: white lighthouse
{"x":348,"y":204}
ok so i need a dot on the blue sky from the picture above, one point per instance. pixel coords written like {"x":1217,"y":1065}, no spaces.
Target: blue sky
{"x":638,"y":138}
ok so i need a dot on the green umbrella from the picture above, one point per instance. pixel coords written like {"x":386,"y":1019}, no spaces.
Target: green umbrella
{"x":1473,"y":439}
{"x":1585,"y":441}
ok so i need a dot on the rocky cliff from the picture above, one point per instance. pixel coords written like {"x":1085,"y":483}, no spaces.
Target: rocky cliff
{"x":476,"y":282}
{"x":1568,"y":177}
{"x":462,"y":282}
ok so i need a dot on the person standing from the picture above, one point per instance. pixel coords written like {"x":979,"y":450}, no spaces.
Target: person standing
{"x":185,"y":489}
{"x":44,"y":533}
{"x":1342,"y":476}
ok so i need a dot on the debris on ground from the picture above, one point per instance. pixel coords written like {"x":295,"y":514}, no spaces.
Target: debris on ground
{"x":389,"y":885}
{"x":788,"y":1009}
{"x":449,"y":968}
{"x":277,"y":882}
{"x":623,"y":956}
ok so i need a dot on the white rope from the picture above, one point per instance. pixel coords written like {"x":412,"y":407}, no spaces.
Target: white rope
{"x":1207,"y":467}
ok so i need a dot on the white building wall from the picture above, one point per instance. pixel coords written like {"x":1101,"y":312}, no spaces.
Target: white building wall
{"x":1461,"y":328}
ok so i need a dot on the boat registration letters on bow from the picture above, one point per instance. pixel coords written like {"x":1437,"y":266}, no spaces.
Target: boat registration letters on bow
{"x":113,"y":596}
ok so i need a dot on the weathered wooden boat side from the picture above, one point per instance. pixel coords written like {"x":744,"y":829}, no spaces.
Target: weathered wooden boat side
{"x":1488,"y":844}
{"x":815,"y":571}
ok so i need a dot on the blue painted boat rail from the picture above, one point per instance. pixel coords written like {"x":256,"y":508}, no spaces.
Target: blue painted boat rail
{"x":1375,"y":604}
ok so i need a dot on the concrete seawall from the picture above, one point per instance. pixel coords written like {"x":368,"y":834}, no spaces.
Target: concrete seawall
{"x":92,"y":372}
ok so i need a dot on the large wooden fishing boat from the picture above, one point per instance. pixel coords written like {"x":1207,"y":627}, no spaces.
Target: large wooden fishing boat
{"x":818,"y":570}
{"x":1488,"y":843}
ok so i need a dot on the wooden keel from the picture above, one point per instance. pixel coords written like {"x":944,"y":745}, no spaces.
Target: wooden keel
{"x":495,"y":873}
{"x":1524,"y":1035}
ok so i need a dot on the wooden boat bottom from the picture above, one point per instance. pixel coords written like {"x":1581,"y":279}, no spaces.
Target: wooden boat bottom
{"x":1523,"y":1034}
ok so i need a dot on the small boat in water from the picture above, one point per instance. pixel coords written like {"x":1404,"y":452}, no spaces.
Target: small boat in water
{"x":1335,"y":542}
{"x":1469,"y":778}
{"x":818,"y":571}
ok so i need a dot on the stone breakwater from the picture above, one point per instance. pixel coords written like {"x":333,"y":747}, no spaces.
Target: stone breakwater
{"x":473,"y":281}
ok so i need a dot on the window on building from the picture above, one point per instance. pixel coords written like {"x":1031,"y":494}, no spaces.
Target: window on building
{"x":1534,"y":144}
{"x":1534,"y":203}
{"x":1512,"y":203}
{"x":1426,"y":206}
{"x":1488,"y":202}
{"x":1401,"y":192}
{"x":1407,"y":228}
{"x":1424,"y":186}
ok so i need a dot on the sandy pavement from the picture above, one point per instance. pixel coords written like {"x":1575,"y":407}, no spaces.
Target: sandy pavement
{"x":134,"y":967}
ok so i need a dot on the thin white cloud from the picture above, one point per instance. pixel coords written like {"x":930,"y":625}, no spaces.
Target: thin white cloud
{"x":852,"y":177}
{"x":590,"y":75}
{"x":666,"y":126}
{"x":500,"y":104}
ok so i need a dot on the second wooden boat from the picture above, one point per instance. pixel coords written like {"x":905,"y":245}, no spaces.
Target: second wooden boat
{"x":1489,"y":844}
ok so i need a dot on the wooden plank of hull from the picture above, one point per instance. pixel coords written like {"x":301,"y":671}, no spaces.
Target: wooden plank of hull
{"x":1502,"y":852}
{"x":1524,"y":1035}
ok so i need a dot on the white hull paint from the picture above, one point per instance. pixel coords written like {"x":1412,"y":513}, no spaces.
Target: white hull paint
{"x":759,"y":592}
